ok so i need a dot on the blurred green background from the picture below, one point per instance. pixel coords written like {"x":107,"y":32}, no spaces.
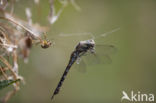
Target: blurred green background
{"x":133,"y":67}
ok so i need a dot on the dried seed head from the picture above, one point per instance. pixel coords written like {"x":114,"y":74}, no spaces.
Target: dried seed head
{"x":28,"y":42}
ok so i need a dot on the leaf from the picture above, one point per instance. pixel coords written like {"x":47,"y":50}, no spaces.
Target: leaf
{"x":5,"y":83}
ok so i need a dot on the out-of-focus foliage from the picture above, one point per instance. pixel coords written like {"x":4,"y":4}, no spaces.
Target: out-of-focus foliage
{"x":17,"y":36}
{"x":5,"y":83}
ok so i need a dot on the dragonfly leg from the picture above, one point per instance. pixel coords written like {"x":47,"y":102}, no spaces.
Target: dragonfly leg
{"x":82,"y":54}
{"x":78,"y":60}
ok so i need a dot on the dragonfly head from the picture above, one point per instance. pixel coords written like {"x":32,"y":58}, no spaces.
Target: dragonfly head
{"x":91,"y":45}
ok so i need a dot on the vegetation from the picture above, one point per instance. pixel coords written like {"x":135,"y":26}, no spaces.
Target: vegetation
{"x":17,"y":36}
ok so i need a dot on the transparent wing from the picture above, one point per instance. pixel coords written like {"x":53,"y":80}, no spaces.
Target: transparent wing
{"x":105,"y":49}
{"x":89,"y":34}
{"x":81,"y":66}
{"x":102,"y":55}
{"x":75,"y":34}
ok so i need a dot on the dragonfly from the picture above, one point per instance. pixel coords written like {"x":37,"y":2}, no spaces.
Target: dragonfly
{"x":84,"y":48}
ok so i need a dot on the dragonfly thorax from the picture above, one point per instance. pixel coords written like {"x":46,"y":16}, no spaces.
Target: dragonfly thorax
{"x":87,"y":45}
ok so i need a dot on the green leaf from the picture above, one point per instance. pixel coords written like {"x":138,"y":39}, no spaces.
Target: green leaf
{"x":5,"y":83}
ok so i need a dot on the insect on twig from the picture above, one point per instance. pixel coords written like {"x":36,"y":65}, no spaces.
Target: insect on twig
{"x":45,"y":43}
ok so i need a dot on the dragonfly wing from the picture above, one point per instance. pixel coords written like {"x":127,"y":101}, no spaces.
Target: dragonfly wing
{"x":92,"y":59}
{"x":75,"y":34}
{"x":102,"y":55}
{"x":81,"y":66}
{"x":105,"y":49}
{"x":104,"y":59}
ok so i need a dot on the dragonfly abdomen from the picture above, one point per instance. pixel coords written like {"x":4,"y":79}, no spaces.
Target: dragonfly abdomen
{"x":73,"y":58}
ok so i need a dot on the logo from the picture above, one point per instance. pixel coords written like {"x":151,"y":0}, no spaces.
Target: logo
{"x":137,"y":96}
